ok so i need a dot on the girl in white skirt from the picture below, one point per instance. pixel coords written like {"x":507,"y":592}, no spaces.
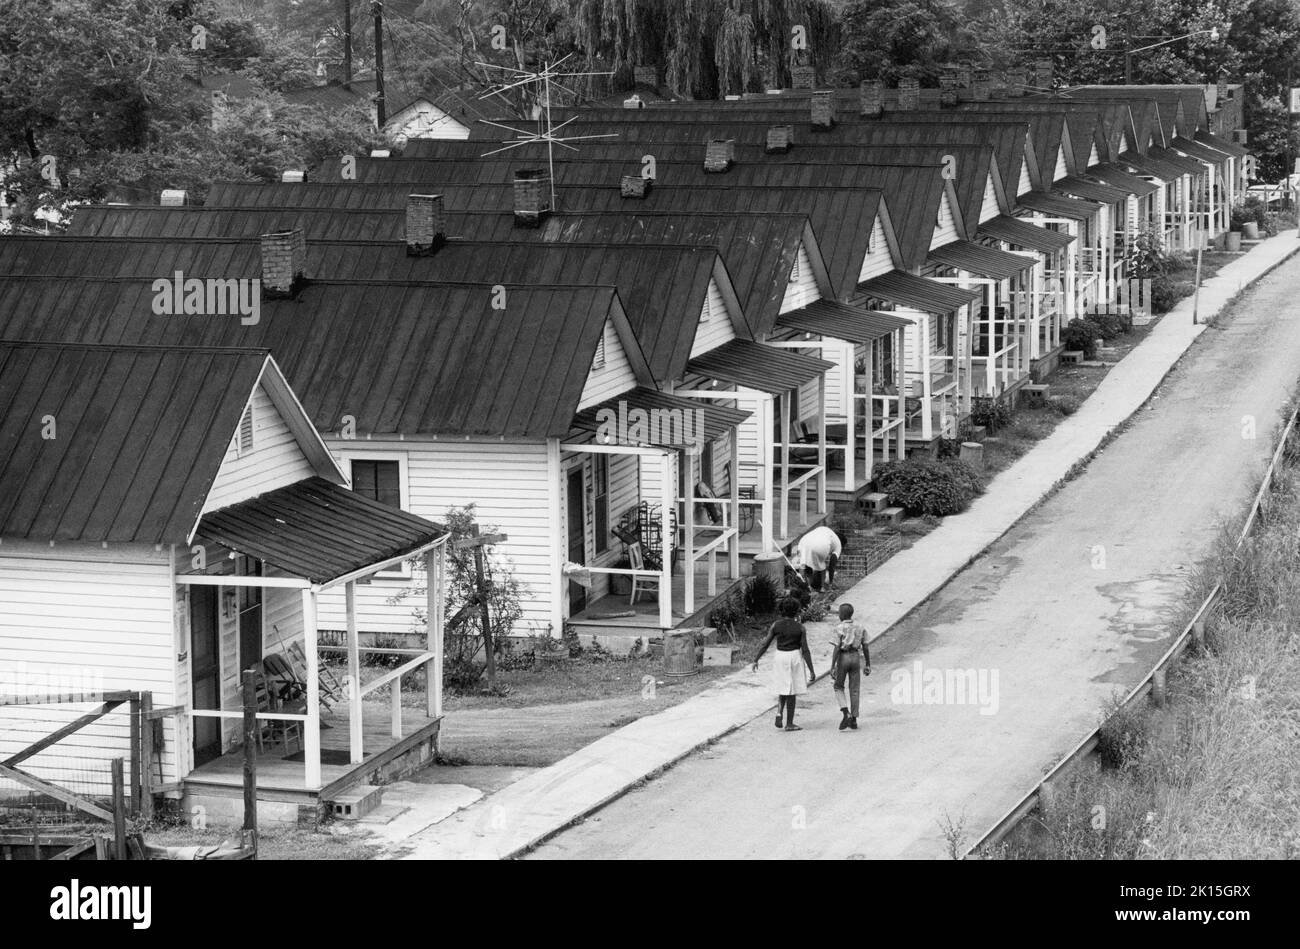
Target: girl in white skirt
{"x":787,"y":667}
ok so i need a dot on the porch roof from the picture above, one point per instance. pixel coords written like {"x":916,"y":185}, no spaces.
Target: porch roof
{"x":1023,"y":234}
{"x":1058,"y":205}
{"x":1117,"y":177}
{"x":759,"y":367}
{"x":841,"y":321}
{"x":905,"y":289}
{"x":318,"y":531}
{"x":1189,"y":166}
{"x":1091,"y":190}
{"x":982,"y":261}
{"x":1146,"y":165}
{"x":1199,"y":150}
{"x":1222,"y":144}
{"x":718,"y":419}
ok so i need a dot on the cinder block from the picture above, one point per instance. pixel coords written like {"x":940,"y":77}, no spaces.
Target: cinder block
{"x":719,"y":655}
{"x":1072,"y":355}
{"x":875,"y":501}
{"x":357,"y":802}
{"x":890,"y":515}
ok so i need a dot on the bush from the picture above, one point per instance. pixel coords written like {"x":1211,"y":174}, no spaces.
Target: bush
{"x":1080,"y":335}
{"x":1108,"y":325}
{"x":1063,"y":405}
{"x":992,"y":413}
{"x":1164,"y":294}
{"x":760,"y":596}
{"x":923,"y":487}
{"x":1146,"y":256}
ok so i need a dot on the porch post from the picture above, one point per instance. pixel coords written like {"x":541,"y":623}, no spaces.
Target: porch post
{"x":900,"y":386}
{"x":733,"y":547}
{"x":311,"y":737}
{"x":927,"y":382}
{"x":821,"y":443}
{"x":355,"y":722}
{"x":667,"y":493}
{"x":785,"y":464}
{"x":851,"y":430}
{"x":434,"y":561}
{"x":764,"y":440}
{"x":688,"y":535}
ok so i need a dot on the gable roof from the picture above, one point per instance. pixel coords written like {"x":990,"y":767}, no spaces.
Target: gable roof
{"x":141,"y":434}
{"x":400,"y":358}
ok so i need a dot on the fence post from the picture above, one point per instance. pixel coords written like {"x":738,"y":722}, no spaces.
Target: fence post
{"x":250,"y":754}
{"x":1158,"y":688}
{"x":119,"y":812}
{"x":146,"y":757}
{"x":134,"y":726}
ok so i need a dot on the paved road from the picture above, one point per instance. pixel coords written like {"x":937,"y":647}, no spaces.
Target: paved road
{"x":1069,"y":608}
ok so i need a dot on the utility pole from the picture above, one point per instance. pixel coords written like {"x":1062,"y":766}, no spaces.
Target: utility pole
{"x":347,"y":41}
{"x":377,"y":8}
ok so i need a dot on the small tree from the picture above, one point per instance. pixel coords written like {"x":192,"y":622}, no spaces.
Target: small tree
{"x":463,"y":640}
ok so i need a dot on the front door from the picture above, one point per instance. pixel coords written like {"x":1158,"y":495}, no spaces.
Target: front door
{"x":205,"y":670}
{"x":577,"y":544}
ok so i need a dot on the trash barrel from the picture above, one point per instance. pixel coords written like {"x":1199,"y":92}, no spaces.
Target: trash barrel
{"x":973,"y":454}
{"x":679,"y":653}
{"x":1234,"y":240}
{"x":771,"y":565}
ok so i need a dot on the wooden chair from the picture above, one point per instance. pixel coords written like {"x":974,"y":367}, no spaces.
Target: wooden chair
{"x":639,"y":584}
{"x":275,"y":731}
{"x":331,"y":689}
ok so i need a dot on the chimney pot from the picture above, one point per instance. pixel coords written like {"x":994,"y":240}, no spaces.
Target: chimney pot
{"x":426,"y":224}
{"x":719,"y":155}
{"x":823,"y":110}
{"x":779,"y":139}
{"x":909,"y":94}
{"x":634,"y":186}
{"x":1016,"y":81}
{"x":284,"y":262}
{"x":532,"y":196}
{"x":173,"y":198}
{"x":803,"y":77}
{"x":871,"y":98}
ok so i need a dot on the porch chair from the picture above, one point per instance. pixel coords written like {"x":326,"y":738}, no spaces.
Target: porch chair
{"x":274,"y":731}
{"x":639,"y":584}
{"x":331,"y":689}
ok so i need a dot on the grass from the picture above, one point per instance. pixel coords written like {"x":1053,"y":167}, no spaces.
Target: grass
{"x":290,"y":843}
{"x":1215,"y":774}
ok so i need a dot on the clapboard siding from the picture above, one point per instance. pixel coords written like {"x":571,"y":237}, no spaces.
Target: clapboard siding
{"x":912,"y":344}
{"x":507,"y":483}
{"x":1060,"y":171}
{"x":433,"y":123}
{"x":717,"y":328}
{"x":611,"y":379}
{"x":802,"y":287}
{"x":88,"y":618}
{"x":1093,"y":157}
{"x":945,"y":232}
{"x":877,"y":260}
{"x":275,"y":461}
{"x":989,"y":206}
{"x":1025,"y":184}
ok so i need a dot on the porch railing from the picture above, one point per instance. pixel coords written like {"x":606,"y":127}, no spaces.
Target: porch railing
{"x":995,"y":371}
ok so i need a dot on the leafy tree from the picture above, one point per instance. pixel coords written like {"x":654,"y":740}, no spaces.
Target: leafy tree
{"x":904,"y":38}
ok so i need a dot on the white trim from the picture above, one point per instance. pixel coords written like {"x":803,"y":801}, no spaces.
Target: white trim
{"x":348,"y":455}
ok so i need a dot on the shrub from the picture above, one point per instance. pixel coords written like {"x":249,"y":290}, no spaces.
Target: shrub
{"x":1146,"y":256}
{"x":1108,"y":325}
{"x":1063,"y":405}
{"x":1080,"y":335}
{"x":992,"y":413}
{"x":923,"y":487}
{"x":1164,"y":294}
{"x":760,"y":596}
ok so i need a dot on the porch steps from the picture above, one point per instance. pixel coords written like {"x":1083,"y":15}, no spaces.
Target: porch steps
{"x":356,"y":802}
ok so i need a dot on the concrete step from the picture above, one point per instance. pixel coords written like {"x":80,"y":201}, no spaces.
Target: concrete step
{"x":356,"y":802}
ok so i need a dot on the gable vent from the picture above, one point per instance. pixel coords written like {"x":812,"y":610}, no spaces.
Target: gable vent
{"x":599,"y":361}
{"x":245,"y":444}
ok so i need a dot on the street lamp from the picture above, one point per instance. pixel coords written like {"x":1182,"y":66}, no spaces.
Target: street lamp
{"x":1212,"y":32}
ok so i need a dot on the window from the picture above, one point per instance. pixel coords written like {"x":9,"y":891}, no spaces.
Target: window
{"x":601,"y":475}
{"x":245,"y":444}
{"x":599,"y":361}
{"x":378,"y":480}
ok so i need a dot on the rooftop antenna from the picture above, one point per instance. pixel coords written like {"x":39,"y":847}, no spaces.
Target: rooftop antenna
{"x":542,"y":79}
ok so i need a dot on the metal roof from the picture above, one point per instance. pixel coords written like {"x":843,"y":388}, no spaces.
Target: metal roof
{"x":759,"y":367}
{"x":718,"y":419}
{"x":841,"y":321}
{"x":1117,"y":177}
{"x":1058,"y":205}
{"x":319,"y":224}
{"x":1046,"y":128}
{"x":1020,"y":233}
{"x":1092,"y":190}
{"x":1199,"y":150}
{"x":905,"y":289}
{"x":400,"y":358}
{"x":341,"y":195}
{"x":1222,"y":144}
{"x":318,"y":531}
{"x":1148,"y":165}
{"x":1187,"y":165}
{"x":982,"y":261}
{"x":664,"y":288}
{"x":141,"y":434}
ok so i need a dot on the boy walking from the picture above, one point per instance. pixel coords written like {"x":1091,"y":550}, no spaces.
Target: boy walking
{"x":851,"y":660}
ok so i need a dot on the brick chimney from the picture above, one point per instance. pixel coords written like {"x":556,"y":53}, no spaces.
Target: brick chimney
{"x":284,"y":262}
{"x":719,"y":155}
{"x":173,"y":198}
{"x":634,"y":186}
{"x":949,"y":83}
{"x":871,"y":98}
{"x":909,"y":94}
{"x":823,"y":110}
{"x":645,"y":75}
{"x":981,"y":85}
{"x":532,"y":196}
{"x":802,"y":77}
{"x":334,"y":74}
{"x":1043,"y":74}
{"x":780,"y":138}
{"x":1016,"y":80}
{"x":426,"y":224}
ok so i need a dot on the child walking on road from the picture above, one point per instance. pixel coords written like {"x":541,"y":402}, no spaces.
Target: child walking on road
{"x":787,"y":671}
{"x":850,"y":660}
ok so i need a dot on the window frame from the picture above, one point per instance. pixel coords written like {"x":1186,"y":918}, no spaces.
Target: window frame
{"x":348,"y":456}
